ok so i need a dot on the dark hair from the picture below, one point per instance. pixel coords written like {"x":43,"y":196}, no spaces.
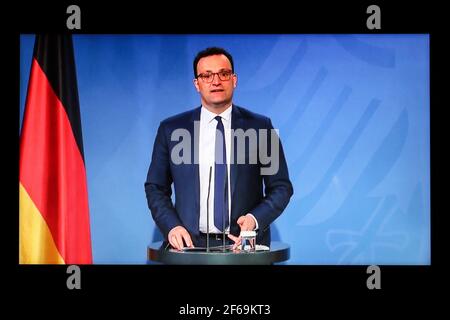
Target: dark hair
{"x":211,"y":51}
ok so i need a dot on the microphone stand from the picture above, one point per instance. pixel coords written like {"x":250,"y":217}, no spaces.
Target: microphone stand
{"x":223,"y":212}
{"x":207,"y":211}
{"x":223,"y":224}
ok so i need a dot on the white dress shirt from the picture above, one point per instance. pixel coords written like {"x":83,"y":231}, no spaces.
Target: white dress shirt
{"x":207,"y":142}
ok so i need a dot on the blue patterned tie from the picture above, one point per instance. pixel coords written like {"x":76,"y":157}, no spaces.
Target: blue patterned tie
{"x":221,"y":219}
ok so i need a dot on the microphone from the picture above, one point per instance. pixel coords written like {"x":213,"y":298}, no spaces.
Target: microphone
{"x":207,"y":211}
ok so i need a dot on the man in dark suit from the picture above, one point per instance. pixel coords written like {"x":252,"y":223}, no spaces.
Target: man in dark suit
{"x":222,"y":180}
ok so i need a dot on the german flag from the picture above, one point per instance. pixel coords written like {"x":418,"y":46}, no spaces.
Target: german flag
{"x":53,"y":200}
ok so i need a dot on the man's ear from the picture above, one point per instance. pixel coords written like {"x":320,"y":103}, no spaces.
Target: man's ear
{"x":196,"y":85}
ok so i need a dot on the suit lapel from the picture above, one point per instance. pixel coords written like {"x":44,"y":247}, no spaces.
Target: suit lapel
{"x":236,"y":123}
{"x":195,"y":121}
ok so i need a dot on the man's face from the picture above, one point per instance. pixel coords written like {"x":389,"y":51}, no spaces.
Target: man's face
{"x":218,"y":93}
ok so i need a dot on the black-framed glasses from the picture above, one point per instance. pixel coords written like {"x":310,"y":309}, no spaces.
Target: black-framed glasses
{"x":208,"y":77}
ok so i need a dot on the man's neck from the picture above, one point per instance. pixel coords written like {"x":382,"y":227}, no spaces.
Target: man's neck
{"x":217,"y":109}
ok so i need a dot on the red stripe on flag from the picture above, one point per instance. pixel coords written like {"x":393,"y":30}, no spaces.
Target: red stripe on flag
{"x":52,"y":170}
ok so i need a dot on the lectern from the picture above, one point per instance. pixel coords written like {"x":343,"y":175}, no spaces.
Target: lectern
{"x":278,"y":252}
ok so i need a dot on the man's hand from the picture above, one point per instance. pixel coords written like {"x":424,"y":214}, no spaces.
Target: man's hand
{"x":246,"y":223}
{"x":176,"y":237}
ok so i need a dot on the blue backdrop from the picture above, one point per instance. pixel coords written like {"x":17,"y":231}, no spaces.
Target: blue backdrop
{"x":353,"y":115}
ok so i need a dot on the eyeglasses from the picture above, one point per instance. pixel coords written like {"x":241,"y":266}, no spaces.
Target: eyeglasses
{"x":208,"y":77}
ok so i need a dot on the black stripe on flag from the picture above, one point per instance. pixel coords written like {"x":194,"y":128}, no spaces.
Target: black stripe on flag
{"x":54,"y":53}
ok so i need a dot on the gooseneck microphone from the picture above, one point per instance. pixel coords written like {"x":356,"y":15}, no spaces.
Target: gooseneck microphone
{"x":207,"y":211}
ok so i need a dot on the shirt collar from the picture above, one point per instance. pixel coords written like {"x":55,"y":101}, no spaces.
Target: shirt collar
{"x":209,"y":116}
